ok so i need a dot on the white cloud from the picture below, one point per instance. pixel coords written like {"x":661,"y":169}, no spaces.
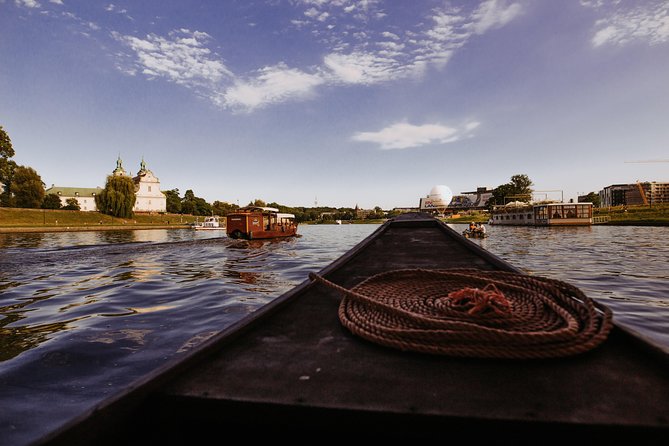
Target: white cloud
{"x":28,"y":3}
{"x":270,"y":85}
{"x":359,"y":68}
{"x":181,"y":58}
{"x":649,"y":23}
{"x":57,"y":2}
{"x":404,"y":135}
{"x":493,"y":14}
{"x":355,"y":53}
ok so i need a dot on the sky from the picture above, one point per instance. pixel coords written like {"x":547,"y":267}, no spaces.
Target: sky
{"x":342,"y":102}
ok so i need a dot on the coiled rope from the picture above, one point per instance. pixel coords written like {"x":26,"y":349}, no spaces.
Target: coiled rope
{"x":473,"y":313}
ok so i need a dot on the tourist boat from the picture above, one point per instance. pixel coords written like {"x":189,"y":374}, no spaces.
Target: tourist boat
{"x":257,"y":222}
{"x":290,"y":369}
{"x":209,"y":223}
{"x":542,"y":214}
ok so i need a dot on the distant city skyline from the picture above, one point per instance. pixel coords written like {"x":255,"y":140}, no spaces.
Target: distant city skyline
{"x":365,"y":102}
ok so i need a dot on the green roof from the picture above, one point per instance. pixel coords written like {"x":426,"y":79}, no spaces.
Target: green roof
{"x":74,"y":191}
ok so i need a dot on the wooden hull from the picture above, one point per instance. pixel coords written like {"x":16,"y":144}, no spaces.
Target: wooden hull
{"x":469,"y":234}
{"x":290,"y":368}
{"x":257,"y":235}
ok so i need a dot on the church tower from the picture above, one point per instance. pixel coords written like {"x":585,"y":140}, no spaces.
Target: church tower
{"x":147,"y":190}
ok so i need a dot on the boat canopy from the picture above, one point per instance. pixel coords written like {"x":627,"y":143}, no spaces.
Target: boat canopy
{"x":280,"y":216}
{"x":259,"y":208}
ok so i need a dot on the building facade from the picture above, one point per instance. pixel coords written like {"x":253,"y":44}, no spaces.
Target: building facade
{"x":640,"y":193}
{"x":149,"y":197}
{"x":85,"y":196}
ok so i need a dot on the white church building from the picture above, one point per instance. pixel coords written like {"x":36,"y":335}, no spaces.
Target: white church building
{"x":149,"y":198}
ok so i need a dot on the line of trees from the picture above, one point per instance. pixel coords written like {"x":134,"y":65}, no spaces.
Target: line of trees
{"x":20,"y":186}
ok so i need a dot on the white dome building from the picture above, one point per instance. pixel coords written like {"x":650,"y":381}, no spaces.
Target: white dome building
{"x":441,"y":195}
{"x":438,"y":200}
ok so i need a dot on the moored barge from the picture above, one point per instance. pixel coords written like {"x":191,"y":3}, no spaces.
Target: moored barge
{"x":542,"y":214}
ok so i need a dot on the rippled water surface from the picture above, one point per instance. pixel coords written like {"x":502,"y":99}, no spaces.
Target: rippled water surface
{"x":84,"y":314}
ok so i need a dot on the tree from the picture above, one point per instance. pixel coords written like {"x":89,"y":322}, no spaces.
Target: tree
{"x":51,"y":201}
{"x":518,"y":189}
{"x":118,"y":197}
{"x":7,"y":168}
{"x":522,"y":187}
{"x":593,"y":198}
{"x":6,"y":149}
{"x":193,"y":205}
{"x":72,"y":204}
{"x":188,"y":202}
{"x":202,"y":207}
{"x":223,"y":208}
{"x":172,"y":201}
{"x":376,"y":214}
{"x":27,"y":188}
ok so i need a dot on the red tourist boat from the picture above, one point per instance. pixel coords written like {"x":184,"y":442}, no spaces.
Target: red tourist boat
{"x":256,"y":222}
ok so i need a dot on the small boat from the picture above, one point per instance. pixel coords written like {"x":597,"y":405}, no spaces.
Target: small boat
{"x":474,"y":234}
{"x":292,"y":369}
{"x":209,"y":223}
{"x":258,"y":222}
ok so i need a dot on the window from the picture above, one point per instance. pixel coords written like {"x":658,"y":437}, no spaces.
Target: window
{"x":584,"y":211}
{"x":149,"y":188}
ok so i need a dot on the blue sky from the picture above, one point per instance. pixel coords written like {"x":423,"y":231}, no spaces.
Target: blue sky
{"x":342,"y":102}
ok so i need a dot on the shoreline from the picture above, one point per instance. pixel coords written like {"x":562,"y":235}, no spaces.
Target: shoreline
{"x":9,"y":230}
{"x":37,"y":229}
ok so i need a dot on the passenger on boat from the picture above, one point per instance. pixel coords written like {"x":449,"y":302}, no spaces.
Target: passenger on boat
{"x":480,"y":228}
{"x":472,"y":227}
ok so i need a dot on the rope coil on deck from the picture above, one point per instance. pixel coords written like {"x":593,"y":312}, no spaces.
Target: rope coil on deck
{"x":473,"y":313}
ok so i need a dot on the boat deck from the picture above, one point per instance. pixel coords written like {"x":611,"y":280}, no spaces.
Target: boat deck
{"x":292,"y":369}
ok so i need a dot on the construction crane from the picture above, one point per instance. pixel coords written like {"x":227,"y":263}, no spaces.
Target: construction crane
{"x":638,"y":183}
{"x":642,"y":192}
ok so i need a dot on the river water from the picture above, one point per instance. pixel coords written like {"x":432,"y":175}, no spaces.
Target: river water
{"x":83,"y":314}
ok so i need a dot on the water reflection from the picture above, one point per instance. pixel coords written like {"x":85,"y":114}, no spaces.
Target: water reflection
{"x":21,"y":240}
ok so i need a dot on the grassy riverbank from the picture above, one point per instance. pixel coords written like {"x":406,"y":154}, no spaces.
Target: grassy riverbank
{"x":15,"y":220}
{"x":12,"y":220}
{"x":657,"y":215}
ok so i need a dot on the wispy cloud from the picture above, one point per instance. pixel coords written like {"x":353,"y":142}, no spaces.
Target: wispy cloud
{"x":116,"y":10}
{"x":360,"y":68}
{"x":181,"y":57}
{"x":646,"y":23}
{"x":394,"y":57}
{"x":270,"y":85}
{"x":354,"y":53}
{"x":28,"y":3}
{"x":404,"y":135}
{"x":494,"y":14}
